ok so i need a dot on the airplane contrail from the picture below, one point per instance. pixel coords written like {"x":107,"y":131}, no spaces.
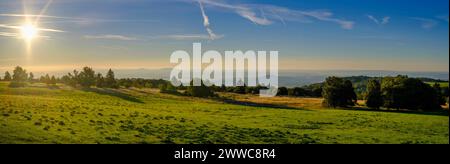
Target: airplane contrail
{"x":206,"y":23}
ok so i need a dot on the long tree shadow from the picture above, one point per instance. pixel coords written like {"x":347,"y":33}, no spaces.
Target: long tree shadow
{"x":432,"y":113}
{"x":254,"y":104}
{"x":115,"y":93}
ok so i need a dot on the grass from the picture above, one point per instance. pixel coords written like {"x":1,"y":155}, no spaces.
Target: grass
{"x":37,"y":114}
{"x":442,"y":84}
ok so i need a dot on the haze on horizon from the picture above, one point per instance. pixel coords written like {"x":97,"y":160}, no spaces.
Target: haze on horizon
{"x":310,"y":35}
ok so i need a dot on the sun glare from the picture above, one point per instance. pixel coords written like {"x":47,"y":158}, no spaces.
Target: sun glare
{"x":28,"y":31}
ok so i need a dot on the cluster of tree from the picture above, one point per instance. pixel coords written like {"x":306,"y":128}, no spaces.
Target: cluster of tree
{"x":360,"y":83}
{"x":239,"y":89}
{"x":195,"y":91}
{"x":306,"y":91}
{"x":50,"y":81}
{"x":19,"y":78}
{"x":167,"y":87}
{"x":200,"y":91}
{"x":141,"y":83}
{"x":338,"y":92}
{"x":402,"y":92}
{"x":88,"y":78}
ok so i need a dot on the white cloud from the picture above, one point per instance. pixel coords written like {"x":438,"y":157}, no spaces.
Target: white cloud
{"x":383,"y":21}
{"x":250,"y":15}
{"x":375,"y":20}
{"x":271,"y":13}
{"x":111,"y":37}
{"x":191,"y":37}
{"x":426,"y":23}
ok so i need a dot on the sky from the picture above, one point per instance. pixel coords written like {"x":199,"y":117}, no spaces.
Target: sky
{"x":400,"y":35}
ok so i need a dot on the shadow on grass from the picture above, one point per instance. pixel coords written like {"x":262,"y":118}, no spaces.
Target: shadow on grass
{"x":115,"y":93}
{"x":443,"y":112}
{"x":254,"y":104}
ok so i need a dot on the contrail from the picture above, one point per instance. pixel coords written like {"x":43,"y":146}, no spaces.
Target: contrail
{"x":206,"y":23}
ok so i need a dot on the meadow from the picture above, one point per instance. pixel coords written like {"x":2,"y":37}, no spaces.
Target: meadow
{"x":39,"y":114}
{"x":442,"y":84}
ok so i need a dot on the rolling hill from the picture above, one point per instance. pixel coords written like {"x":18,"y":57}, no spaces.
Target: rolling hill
{"x":38,"y":114}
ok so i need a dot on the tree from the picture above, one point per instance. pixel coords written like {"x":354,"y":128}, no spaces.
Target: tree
{"x":298,"y":92}
{"x":86,"y":77}
{"x":19,"y":74}
{"x":223,"y":88}
{"x":52,"y":81}
{"x":239,"y":89}
{"x":31,"y":77}
{"x":374,"y":98}
{"x":19,"y":77}
{"x":100,"y":81}
{"x":46,"y":79}
{"x":7,"y":76}
{"x":110,"y":80}
{"x":338,"y":93}
{"x":200,"y":91}
{"x":349,"y":93}
{"x":439,"y":92}
{"x":282,"y":91}
{"x":71,"y":79}
{"x":402,"y":92}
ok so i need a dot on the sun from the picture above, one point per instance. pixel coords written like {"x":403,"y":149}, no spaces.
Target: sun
{"x":28,"y":31}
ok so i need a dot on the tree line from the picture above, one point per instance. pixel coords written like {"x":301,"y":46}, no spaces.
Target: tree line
{"x":399,"y":92}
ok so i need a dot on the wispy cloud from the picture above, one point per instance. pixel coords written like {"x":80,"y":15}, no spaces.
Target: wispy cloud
{"x":111,"y":37}
{"x":426,"y":23}
{"x":383,"y":21}
{"x":18,"y":35}
{"x":206,"y":23}
{"x":7,"y":34}
{"x":443,"y":17}
{"x":35,"y":16}
{"x":79,"y":20}
{"x":190,"y":37}
{"x":39,"y":29}
{"x":261,"y":14}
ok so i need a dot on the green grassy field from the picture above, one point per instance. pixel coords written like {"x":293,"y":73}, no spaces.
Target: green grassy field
{"x":37,"y":114}
{"x":443,"y":84}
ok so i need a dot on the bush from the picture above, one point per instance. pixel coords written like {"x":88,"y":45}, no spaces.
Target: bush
{"x":15,"y":84}
{"x":200,"y":91}
{"x":168,"y":88}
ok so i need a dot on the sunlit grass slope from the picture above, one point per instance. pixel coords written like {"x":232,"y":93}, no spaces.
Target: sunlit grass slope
{"x":38,"y":114}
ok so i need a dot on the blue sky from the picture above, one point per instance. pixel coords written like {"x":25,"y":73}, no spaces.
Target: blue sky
{"x":400,"y":35}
